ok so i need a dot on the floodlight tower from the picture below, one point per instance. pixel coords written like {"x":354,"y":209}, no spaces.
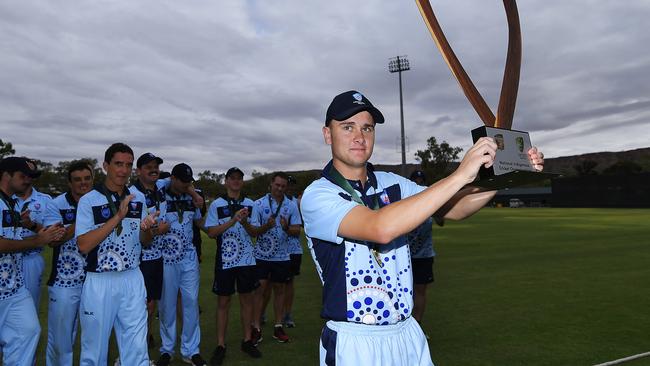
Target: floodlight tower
{"x":397,"y":65}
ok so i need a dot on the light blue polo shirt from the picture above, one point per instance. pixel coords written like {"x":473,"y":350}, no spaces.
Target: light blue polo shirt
{"x":234,"y":246}
{"x":272,"y":245}
{"x":155,"y":201}
{"x":421,"y":240}
{"x":177,"y":243}
{"x":36,"y":203}
{"x":67,"y":261}
{"x":115,"y":253}
{"x":11,"y":264}
{"x":293,"y":242}
{"x":356,"y":288}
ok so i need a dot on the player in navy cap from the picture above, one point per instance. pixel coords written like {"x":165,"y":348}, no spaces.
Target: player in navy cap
{"x":32,"y":204}
{"x":19,"y":326}
{"x":229,"y":221}
{"x":111,"y":226}
{"x":151,"y":265}
{"x":181,"y":269}
{"x":355,"y":222}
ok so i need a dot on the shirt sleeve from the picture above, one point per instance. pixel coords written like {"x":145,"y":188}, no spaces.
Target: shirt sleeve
{"x":85,"y":221}
{"x":52,"y":214}
{"x":295,"y":219}
{"x":323,"y":210}
{"x":163,"y":184}
{"x":408,"y":187}
{"x":211,"y":218}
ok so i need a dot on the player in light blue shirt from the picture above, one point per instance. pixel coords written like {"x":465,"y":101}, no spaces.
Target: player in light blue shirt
{"x":19,"y":326}
{"x":355,"y":221}
{"x":151,"y":265}
{"x":281,"y":218}
{"x":68,"y":274}
{"x":181,"y":269}
{"x":228,"y":222}
{"x":110,"y":227}
{"x":295,"y":258}
{"x":32,"y":205}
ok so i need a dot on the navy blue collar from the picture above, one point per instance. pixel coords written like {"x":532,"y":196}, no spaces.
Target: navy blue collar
{"x":370,"y":169}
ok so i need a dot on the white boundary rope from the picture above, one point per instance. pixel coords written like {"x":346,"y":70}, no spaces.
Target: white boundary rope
{"x":626,"y":359}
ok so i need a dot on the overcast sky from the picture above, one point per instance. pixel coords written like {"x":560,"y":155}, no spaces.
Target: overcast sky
{"x":246,"y":83}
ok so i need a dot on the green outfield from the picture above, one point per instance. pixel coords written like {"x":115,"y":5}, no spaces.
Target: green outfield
{"x":513,"y":287}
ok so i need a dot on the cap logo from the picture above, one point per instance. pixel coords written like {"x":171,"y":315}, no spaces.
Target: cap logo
{"x":31,"y":165}
{"x":357,"y":96}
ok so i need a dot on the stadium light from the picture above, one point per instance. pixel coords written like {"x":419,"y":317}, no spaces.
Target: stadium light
{"x":397,"y":65}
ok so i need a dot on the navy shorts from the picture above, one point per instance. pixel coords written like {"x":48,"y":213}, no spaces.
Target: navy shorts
{"x":243,"y":278}
{"x":296,"y":261}
{"x":273,"y":271}
{"x":152,"y":272}
{"x":422,"y":270}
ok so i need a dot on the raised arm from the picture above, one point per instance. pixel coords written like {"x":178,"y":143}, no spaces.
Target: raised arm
{"x":384,"y":225}
{"x":90,"y":239}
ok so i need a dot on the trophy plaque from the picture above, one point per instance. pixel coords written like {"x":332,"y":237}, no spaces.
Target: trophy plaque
{"x":511,"y":166}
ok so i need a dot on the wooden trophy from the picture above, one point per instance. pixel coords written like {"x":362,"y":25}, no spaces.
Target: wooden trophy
{"x":511,"y":165}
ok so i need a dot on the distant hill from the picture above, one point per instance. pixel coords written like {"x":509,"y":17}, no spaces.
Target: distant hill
{"x":564,"y":165}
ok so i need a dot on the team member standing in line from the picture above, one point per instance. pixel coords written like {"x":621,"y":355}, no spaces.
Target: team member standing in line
{"x":181,"y":270}
{"x":111,"y":225}
{"x":32,"y":204}
{"x":295,"y":257}
{"x":281,"y":218}
{"x":355,"y":222}
{"x":151,"y":265}
{"x":19,"y":326}
{"x":227,"y":221}
{"x":67,"y":276}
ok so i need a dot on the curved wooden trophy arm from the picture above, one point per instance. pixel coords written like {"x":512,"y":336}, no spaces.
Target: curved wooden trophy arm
{"x":510,"y":85}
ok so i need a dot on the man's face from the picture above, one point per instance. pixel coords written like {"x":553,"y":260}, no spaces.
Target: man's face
{"x":81,"y":181}
{"x":278,"y":186}
{"x":235,"y":182}
{"x":118,"y":170}
{"x":19,"y":182}
{"x":352,"y":140}
{"x":180,"y":186}
{"x":148,"y":173}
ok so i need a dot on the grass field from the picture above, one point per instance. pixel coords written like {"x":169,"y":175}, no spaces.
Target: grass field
{"x":513,"y":287}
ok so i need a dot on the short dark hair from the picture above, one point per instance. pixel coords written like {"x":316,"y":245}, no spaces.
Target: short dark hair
{"x":117,"y":147}
{"x":79,"y":165}
{"x":282,"y":175}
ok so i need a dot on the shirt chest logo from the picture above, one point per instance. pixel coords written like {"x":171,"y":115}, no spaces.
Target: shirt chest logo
{"x":384,"y":198}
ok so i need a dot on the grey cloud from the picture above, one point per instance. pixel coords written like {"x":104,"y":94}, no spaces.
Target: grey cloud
{"x":247,"y":83}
